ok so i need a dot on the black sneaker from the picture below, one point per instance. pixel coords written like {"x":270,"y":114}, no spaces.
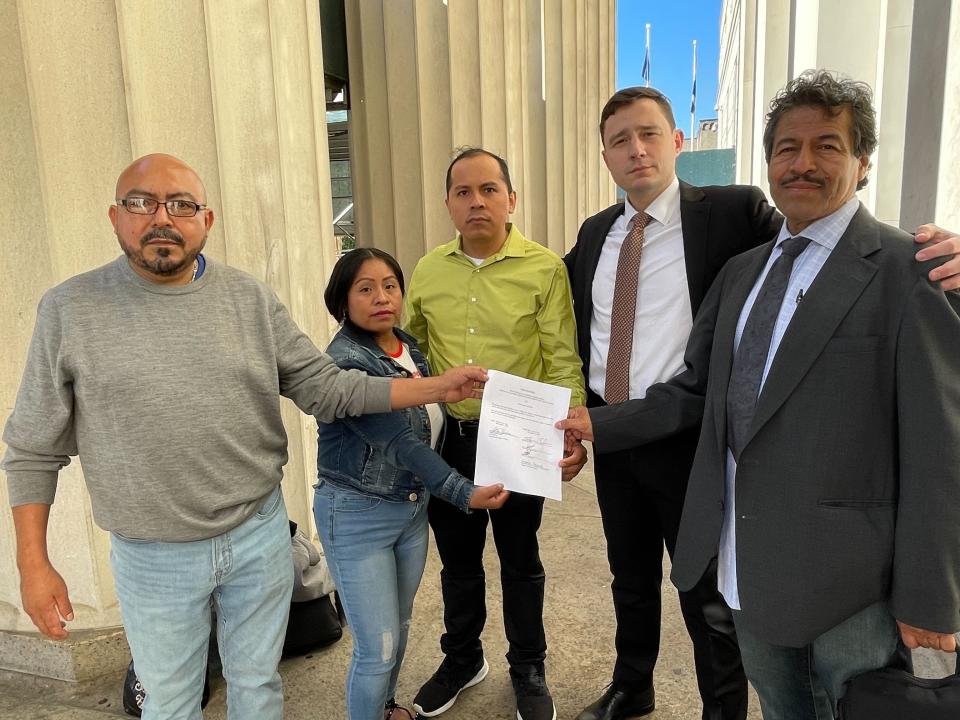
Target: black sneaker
{"x":533,"y":697}
{"x":440,"y":692}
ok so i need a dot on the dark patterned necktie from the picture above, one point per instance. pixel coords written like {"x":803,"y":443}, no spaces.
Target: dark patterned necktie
{"x":624,"y":311}
{"x":751,"y":357}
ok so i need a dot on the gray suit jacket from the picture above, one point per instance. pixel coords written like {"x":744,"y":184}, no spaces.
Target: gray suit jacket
{"x":848,"y":487}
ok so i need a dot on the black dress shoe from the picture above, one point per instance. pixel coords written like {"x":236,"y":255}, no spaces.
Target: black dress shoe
{"x":619,"y":703}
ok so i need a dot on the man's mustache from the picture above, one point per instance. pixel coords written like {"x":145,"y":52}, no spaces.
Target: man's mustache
{"x":162,"y":234}
{"x":803,"y":178}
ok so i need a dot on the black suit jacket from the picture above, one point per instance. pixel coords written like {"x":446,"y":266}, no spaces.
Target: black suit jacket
{"x":718,"y":222}
{"x":848,"y":485}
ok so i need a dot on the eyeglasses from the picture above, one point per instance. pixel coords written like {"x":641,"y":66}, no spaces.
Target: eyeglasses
{"x":149,"y":206}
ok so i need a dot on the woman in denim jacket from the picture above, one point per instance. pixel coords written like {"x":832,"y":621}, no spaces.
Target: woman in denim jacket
{"x":375,"y":474}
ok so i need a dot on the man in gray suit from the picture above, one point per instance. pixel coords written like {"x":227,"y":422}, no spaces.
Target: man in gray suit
{"x":827,"y":475}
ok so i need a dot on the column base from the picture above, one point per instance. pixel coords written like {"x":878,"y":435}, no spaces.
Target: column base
{"x":85,"y":655}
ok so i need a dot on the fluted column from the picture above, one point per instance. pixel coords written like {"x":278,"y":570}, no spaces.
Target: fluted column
{"x":523,"y":78}
{"x":234,"y":88}
{"x":948,"y":185}
{"x":903,"y":49}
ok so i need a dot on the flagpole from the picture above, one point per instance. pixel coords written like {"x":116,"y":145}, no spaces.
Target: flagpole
{"x":693,"y":95}
{"x":646,"y":59}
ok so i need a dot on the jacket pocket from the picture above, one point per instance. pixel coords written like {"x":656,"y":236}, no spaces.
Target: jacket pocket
{"x":376,"y":474}
{"x":854,"y":343}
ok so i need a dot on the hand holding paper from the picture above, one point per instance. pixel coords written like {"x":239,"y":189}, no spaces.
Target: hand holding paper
{"x":517,"y":443}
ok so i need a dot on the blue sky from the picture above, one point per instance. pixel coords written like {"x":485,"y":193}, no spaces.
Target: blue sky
{"x":674,"y":25}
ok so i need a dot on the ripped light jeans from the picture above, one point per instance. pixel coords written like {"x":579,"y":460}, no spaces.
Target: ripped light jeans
{"x":376,"y":550}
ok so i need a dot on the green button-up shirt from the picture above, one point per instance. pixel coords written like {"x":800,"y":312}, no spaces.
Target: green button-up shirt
{"x":513,"y":312}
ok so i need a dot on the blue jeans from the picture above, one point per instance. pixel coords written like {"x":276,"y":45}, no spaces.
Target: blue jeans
{"x":376,"y":550}
{"x":165,"y":591}
{"x":806,"y":683}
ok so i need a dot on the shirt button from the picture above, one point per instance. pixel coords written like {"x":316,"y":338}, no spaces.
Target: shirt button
{"x":473,"y":299}
{"x":469,"y":361}
{"x":472,"y":331}
{"x":412,"y":497}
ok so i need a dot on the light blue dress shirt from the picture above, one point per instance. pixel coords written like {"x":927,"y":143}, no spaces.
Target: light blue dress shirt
{"x":825,"y":233}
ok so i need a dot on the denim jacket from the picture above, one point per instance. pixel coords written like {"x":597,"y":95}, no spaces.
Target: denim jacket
{"x":385,"y":454}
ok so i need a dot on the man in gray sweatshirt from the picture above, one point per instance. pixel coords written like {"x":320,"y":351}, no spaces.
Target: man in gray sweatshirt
{"x":162,"y":371}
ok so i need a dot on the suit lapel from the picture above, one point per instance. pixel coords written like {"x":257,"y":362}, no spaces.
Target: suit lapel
{"x":837,"y":287}
{"x":694,"y":223}
{"x":740,"y":284}
{"x":603,"y":229}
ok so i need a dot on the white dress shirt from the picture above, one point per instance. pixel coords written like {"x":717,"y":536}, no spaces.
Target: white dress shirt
{"x":663,"y":318}
{"x":825,"y":234}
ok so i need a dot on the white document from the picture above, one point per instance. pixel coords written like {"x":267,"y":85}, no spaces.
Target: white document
{"x":517,"y":444}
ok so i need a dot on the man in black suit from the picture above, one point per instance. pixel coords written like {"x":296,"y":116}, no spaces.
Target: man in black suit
{"x":690,"y":235}
{"x":826,"y":476}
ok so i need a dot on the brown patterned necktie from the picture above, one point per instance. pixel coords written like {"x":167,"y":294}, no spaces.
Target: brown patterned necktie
{"x":623,"y":313}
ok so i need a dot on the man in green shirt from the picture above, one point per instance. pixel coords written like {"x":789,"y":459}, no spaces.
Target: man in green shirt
{"x":491,"y":297}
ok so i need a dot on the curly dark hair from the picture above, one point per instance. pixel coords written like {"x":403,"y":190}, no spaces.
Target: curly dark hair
{"x":831,"y":92}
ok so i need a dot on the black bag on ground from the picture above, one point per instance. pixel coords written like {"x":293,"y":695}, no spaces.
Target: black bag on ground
{"x":314,"y":622}
{"x":890,"y":694}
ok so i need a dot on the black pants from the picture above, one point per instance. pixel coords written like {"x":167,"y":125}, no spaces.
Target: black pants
{"x":641,"y":494}
{"x":460,"y":539}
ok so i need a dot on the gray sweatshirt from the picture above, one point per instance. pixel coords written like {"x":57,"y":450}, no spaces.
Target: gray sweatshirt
{"x":170,"y":397}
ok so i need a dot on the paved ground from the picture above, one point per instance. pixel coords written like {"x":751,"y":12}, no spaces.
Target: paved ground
{"x":579,"y":621}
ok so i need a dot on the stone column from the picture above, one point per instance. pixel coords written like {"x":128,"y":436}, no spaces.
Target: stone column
{"x":948,"y":186}
{"x":236,"y":90}
{"x":523,"y":78}
{"x":891,"y":100}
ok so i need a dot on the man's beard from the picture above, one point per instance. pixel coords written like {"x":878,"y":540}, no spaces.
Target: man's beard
{"x":162,"y":265}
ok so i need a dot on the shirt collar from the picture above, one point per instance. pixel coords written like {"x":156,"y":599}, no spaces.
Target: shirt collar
{"x":664,"y":207}
{"x":827,"y":230}
{"x":512,"y":246}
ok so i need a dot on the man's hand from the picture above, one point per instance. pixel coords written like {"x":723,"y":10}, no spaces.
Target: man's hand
{"x":45,"y":600}
{"x":914,"y":637}
{"x":947,"y":245}
{"x":574,"y":458}
{"x":454,"y":385}
{"x":42,"y":590}
{"x":577,"y":424}
{"x":462,"y":382}
{"x":488,"y":497}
